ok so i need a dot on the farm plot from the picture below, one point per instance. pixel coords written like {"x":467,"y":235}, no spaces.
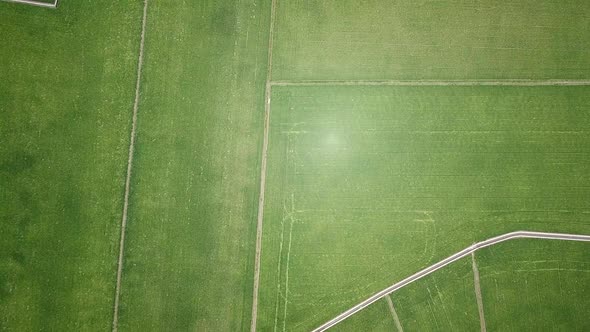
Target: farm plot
{"x":367,"y":185}
{"x":529,"y":285}
{"x":66,"y":94}
{"x":425,"y":39}
{"x":192,"y":218}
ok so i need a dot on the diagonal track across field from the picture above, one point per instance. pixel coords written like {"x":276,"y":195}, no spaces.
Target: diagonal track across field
{"x":430,"y":269}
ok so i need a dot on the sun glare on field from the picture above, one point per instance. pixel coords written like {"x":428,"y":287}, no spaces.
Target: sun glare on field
{"x":332,"y":141}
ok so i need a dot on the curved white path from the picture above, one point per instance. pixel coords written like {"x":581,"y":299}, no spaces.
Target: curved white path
{"x":467,"y":251}
{"x":36,"y":3}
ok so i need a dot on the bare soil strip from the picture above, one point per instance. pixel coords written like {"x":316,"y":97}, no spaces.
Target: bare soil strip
{"x":482,"y":320}
{"x":129,"y":169}
{"x":396,"y":320}
{"x":267,"y":94}
{"x":432,"y":268}
{"x":52,"y":5}
{"x":507,"y":82}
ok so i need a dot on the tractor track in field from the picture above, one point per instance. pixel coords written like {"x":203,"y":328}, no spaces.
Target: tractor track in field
{"x":506,"y":82}
{"x":478,"y":297}
{"x":263,"y":165}
{"x":394,"y":315}
{"x":432,"y":268}
{"x":129,"y":169}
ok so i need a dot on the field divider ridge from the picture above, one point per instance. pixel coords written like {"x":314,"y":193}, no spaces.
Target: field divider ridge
{"x":51,"y":5}
{"x":263,"y":165}
{"x":478,"y":297}
{"x":396,"y":321}
{"x":132,"y":140}
{"x":432,"y":268}
{"x":504,"y":82}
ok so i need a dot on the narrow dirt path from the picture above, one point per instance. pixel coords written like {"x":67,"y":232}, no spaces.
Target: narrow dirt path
{"x":482,"y":320}
{"x":129,"y":169}
{"x":267,"y":94}
{"x":507,"y":82}
{"x":396,"y":320}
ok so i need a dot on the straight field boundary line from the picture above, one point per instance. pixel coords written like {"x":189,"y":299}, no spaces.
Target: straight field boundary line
{"x":260,"y":216}
{"x":52,"y":5}
{"x":394,"y":315}
{"x":132,"y":138}
{"x":430,"y":269}
{"x":478,"y":297}
{"x":506,"y":82}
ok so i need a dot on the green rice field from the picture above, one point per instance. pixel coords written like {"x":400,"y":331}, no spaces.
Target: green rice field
{"x":426,"y":39}
{"x":542,"y":284}
{"x":519,"y":280}
{"x":189,"y":259}
{"x":397,"y":178}
{"x":266,"y":165}
{"x":66,"y":89}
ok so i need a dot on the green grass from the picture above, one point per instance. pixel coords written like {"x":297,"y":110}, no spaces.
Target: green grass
{"x":66,"y":94}
{"x":531,"y":285}
{"x":190,"y":245}
{"x":425,"y":39}
{"x":442,"y":301}
{"x":367,"y":185}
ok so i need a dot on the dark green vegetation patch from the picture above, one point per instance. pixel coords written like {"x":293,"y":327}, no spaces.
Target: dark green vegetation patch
{"x":67,"y":82}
